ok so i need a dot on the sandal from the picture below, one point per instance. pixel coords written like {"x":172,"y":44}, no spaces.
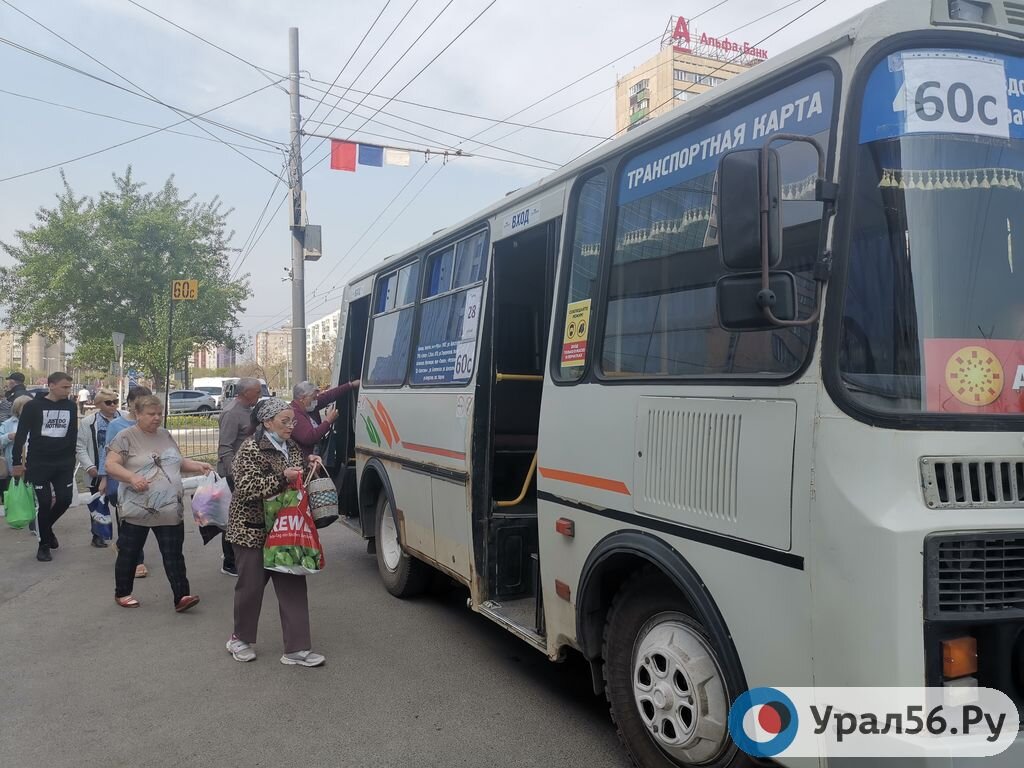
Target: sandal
{"x":141,"y":571}
{"x":127,"y":602}
{"x":185,"y":603}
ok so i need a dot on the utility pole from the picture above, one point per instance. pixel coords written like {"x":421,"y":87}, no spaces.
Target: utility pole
{"x":295,"y":223}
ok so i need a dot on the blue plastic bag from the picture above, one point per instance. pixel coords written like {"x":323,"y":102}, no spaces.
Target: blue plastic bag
{"x":100,"y":520}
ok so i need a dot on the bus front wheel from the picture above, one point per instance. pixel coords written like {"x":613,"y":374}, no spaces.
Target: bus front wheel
{"x":403,"y":575}
{"x":664,"y":681}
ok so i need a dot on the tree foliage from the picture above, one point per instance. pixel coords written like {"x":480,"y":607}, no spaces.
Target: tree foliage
{"x":89,"y":267}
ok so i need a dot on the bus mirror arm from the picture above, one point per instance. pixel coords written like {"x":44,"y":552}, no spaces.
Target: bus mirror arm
{"x":824,"y":192}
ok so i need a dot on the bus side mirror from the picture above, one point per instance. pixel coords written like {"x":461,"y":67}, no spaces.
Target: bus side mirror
{"x":741,"y":300}
{"x":743,"y":195}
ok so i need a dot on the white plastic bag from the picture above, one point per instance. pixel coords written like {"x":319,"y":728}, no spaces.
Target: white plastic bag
{"x":211,"y":501}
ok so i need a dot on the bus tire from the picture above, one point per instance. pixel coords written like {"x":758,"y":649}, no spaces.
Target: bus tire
{"x":402,"y":574}
{"x":664,"y":682}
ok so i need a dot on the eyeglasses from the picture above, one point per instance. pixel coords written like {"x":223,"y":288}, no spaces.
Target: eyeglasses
{"x":287,"y":422}
{"x":110,"y":402}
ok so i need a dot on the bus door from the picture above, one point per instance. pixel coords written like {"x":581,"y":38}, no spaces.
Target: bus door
{"x":340,"y":453}
{"x":522,"y":285}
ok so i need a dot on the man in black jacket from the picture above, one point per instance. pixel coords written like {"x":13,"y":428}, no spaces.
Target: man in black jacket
{"x":15,"y":388}
{"x":50,"y":424}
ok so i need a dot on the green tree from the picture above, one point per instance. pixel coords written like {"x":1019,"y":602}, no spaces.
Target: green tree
{"x":92,"y":266}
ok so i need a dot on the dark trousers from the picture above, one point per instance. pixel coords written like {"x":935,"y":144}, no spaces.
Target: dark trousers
{"x":55,"y":487}
{"x":112,"y":503}
{"x":291,"y":600}
{"x":130,"y":540}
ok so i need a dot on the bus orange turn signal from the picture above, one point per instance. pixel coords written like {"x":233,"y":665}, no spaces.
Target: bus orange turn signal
{"x":959,"y":657}
{"x":565,"y":526}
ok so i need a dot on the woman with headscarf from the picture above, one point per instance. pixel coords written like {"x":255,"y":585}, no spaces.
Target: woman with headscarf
{"x":264,"y":466}
{"x":308,"y":400}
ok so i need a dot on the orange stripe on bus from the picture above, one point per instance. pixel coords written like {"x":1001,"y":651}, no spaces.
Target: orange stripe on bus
{"x":590,"y":481}
{"x":385,"y":425}
{"x":391,"y":422}
{"x":435,"y":451}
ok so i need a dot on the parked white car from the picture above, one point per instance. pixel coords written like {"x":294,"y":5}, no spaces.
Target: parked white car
{"x":190,"y":401}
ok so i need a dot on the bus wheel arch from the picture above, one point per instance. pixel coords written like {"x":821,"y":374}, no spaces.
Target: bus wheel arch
{"x":632,"y":587}
{"x":402,"y":574}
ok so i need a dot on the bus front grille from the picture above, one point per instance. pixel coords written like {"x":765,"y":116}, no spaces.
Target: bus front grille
{"x":975,"y":576}
{"x":960,"y":482}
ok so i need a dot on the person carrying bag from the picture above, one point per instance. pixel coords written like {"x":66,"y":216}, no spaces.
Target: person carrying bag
{"x":266,"y":466}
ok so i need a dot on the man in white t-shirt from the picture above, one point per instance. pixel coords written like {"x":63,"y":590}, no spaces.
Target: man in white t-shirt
{"x":83,"y":398}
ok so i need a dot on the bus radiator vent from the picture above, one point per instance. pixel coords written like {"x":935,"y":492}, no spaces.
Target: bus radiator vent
{"x":975,"y":576}
{"x":961,"y":482}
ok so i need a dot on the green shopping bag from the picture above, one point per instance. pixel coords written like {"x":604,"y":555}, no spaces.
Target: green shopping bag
{"x":20,"y":504}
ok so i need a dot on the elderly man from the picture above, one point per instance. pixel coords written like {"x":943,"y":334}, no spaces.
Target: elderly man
{"x":235,"y":427}
{"x":309,"y":428}
{"x":15,"y":388}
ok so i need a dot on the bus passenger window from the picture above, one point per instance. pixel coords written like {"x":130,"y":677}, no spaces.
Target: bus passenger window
{"x":580,"y":280}
{"x":391,"y":332}
{"x":661,"y":313}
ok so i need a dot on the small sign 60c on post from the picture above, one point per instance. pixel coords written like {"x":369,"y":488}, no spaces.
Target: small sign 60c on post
{"x":184,"y":290}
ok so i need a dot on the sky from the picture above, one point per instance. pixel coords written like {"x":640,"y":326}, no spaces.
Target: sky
{"x":506,"y":55}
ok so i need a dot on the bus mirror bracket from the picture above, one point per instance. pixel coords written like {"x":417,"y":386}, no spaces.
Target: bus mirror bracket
{"x":825,"y":192}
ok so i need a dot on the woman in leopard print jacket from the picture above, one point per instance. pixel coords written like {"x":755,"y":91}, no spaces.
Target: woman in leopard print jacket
{"x":264,"y":466}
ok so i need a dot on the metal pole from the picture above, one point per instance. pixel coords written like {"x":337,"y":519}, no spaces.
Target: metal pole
{"x":170,"y":336}
{"x":120,"y":378}
{"x":295,"y":178}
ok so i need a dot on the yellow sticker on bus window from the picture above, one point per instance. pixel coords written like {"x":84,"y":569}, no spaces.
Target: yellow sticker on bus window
{"x":577,"y":328}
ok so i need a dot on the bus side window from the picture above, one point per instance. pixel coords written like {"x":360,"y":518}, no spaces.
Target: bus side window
{"x":391,"y":334}
{"x":580,"y":279}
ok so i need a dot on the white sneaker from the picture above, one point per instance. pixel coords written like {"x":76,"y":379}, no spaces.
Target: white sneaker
{"x":241,"y":651}
{"x":303,"y":659}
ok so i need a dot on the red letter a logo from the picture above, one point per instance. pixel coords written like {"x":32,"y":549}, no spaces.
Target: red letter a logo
{"x":682,"y":33}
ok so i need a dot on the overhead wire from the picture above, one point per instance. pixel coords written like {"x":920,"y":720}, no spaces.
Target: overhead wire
{"x":387,"y":72}
{"x":126,"y":79}
{"x":344,"y":66}
{"x":456,"y":112}
{"x":267,"y":73}
{"x":127,"y":121}
{"x":789,"y":23}
{"x":137,"y":138}
{"x":90,"y":75}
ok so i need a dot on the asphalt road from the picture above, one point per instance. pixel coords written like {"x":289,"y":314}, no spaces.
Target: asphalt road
{"x":407,"y":683}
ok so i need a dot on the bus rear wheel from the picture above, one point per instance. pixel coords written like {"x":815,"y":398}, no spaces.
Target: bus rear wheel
{"x":664,"y":681}
{"x":403,"y":575}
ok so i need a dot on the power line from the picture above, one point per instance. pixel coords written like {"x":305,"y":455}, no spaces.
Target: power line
{"x":91,"y":76}
{"x":366,"y":66}
{"x":256,"y":242}
{"x":390,"y":69}
{"x":707,"y":10}
{"x":724,"y":63}
{"x":127,"y":121}
{"x":138,"y":138}
{"x":345,"y":66}
{"x":243,"y":252}
{"x":456,"y":112}
{"x":422,"y":69}
{"x":269,"y":74}
{"x":374,"y":119}
{"x":138,"y":87}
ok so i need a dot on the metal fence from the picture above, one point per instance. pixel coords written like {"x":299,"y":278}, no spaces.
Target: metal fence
{"x":196,"y":434}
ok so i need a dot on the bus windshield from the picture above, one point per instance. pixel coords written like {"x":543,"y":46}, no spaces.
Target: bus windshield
{"x":933,"y":311}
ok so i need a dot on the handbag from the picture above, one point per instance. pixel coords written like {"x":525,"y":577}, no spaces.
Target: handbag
{"x":323,"y":496}
{"x":292,"y":544}
{"x":20,"y":504}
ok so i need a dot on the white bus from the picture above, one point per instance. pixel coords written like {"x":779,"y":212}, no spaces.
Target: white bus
{"x":714,"y":445}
